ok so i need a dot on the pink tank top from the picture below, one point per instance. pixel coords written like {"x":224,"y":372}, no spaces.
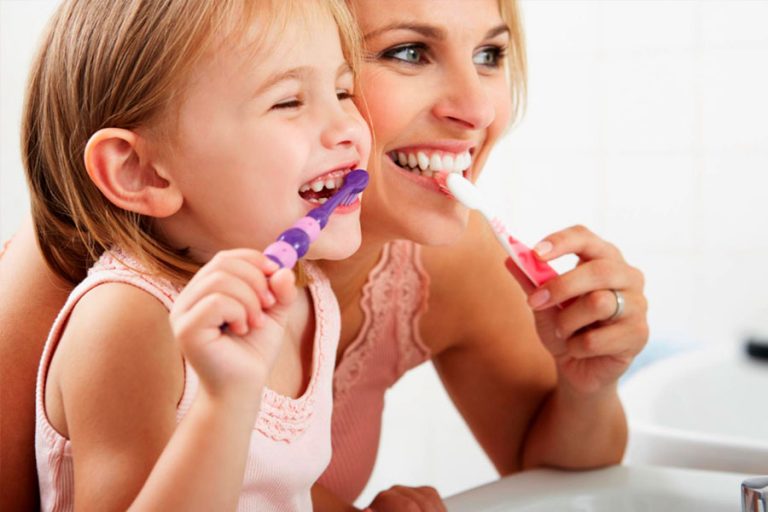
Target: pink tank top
{"x":291,"y":440}
{"x":388,"y":345}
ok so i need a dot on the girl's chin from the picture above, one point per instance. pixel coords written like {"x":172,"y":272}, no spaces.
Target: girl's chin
{"x":333,"y":246}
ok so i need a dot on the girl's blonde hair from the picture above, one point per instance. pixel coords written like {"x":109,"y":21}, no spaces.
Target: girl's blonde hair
{"x":122,"y":64}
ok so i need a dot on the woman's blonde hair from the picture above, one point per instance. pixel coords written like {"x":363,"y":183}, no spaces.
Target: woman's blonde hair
{"x":517,"y":66}
{"x":122,"y":64}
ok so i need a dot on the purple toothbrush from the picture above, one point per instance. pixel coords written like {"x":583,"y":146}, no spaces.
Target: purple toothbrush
{"x":293,"y":243}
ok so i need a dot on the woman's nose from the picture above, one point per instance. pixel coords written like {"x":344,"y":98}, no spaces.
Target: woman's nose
{"x":464,"y":99}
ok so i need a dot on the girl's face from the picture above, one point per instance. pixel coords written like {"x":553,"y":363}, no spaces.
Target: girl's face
{"x":435,"y":88}
{"x":258,"y":131}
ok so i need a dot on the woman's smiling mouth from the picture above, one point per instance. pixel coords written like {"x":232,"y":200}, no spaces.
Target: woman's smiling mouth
{"x":425,"y":162}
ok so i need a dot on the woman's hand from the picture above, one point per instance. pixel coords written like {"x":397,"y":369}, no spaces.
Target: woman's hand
{"x":244,"y":291}
{"x":400,"y":498}
{"x":591,"y":345}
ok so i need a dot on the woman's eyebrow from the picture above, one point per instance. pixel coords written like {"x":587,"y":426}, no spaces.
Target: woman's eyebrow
{"x":498,"y":30}
{"x":423,"y":29}
{"x":430,"y":31}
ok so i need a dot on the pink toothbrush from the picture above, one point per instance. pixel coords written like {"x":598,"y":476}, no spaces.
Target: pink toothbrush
{"x":293,"y":243}
{"x":461,"y":189}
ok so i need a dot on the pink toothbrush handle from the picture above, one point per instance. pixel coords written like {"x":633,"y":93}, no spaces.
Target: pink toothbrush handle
{"x":538,"y":272}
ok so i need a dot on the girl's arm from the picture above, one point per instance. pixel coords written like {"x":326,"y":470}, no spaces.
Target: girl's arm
{"x":121,"y":377}
{"x":31,"y":297}
{"x":531,"y":398}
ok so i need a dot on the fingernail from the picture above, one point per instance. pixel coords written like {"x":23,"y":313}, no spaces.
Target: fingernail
{"x":538,"y":299}
{"x":543,"y":247}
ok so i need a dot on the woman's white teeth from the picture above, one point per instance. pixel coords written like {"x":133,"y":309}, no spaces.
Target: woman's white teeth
{"x":421,"y":163}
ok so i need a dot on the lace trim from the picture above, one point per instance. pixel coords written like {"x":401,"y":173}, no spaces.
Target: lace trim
{"x":283,"y":418}
{"x":118,"y":260}
{"x":397,"y":281}
{"x":414,"y":295}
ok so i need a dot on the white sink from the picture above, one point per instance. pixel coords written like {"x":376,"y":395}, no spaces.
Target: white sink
{"x":614,"y":489}
{"x":705,"y":409}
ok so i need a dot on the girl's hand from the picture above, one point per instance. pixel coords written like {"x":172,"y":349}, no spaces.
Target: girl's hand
{"x":244,"y":290}
{"x":400,"y":498}
{"x":592,"y":348}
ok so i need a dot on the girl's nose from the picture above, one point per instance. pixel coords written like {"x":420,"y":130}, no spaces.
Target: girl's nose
{"x":464,"y":100}
{"x":344,"y":127}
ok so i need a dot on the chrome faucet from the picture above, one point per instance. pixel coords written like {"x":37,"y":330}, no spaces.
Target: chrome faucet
{"x":754,"y":494}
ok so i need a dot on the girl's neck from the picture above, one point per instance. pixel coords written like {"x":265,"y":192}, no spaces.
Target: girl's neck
{"x":348,"y":276}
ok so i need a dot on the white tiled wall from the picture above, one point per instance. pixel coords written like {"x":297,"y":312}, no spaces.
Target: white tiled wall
{"x":647,"y":121}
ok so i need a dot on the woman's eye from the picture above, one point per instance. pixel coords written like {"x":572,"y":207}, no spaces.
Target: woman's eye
{"x":411,"y":54}
{"x":489,"y":57}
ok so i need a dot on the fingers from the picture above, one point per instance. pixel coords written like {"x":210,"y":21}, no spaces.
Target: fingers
{"x":248,"y":265}
{"x":576,"y":240}
{"x":240,"y":275}
{"x":619,"y":339}
{"x":201,"y":322}
{"x":408,"y":499}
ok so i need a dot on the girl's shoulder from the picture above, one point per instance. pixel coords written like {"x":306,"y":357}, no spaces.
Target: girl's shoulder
{"x":116,"y":345}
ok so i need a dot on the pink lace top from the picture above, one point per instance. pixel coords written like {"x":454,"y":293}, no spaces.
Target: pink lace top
{"x":290,"y":444}
{"x":388,"y":345}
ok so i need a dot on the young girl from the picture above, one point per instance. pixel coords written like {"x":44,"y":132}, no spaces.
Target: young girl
{"x":162,"y":137}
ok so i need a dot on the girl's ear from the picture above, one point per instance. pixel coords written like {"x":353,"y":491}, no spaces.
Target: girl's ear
{"x":118,"y":163}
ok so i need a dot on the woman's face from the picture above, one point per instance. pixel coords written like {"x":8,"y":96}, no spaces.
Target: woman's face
{"x":436,"y":93}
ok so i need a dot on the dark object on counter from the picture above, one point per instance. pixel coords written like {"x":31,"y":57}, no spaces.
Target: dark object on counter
{"x":757,"y":348}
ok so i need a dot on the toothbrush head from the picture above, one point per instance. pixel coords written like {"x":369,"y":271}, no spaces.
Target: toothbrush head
{"x":441,"y":178}
{"x":354,"y":183}
{"x":461,"y":189}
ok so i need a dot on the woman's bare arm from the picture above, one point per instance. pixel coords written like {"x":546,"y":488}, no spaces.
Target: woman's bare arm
{"x":531,"y":396}
{"x":31,"y":297}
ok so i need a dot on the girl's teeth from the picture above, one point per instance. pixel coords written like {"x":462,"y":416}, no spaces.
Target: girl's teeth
{"x":330,"y":184}
{"x":402,"y":159}
{"x":412,"y":163}
{"x":304,"y":188}
{"x":318,"y":186}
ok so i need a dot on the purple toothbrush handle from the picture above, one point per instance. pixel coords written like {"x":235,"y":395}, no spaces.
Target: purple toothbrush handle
{"x":293,"y":243}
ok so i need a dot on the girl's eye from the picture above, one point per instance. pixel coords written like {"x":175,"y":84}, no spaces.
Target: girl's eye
{"x":287,"y":105}
{"x":410,"y":54}
{"x":344,"y":94}
{"x":489,"y":56}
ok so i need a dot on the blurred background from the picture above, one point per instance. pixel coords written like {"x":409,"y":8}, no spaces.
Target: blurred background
{"x":647,"y":121}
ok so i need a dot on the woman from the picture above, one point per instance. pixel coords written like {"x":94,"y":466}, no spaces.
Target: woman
{"x":536,"y":383}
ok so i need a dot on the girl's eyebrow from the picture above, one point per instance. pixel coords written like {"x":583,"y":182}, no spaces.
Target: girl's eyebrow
{"x":300,"y":73}
{"x":430,"y":31}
